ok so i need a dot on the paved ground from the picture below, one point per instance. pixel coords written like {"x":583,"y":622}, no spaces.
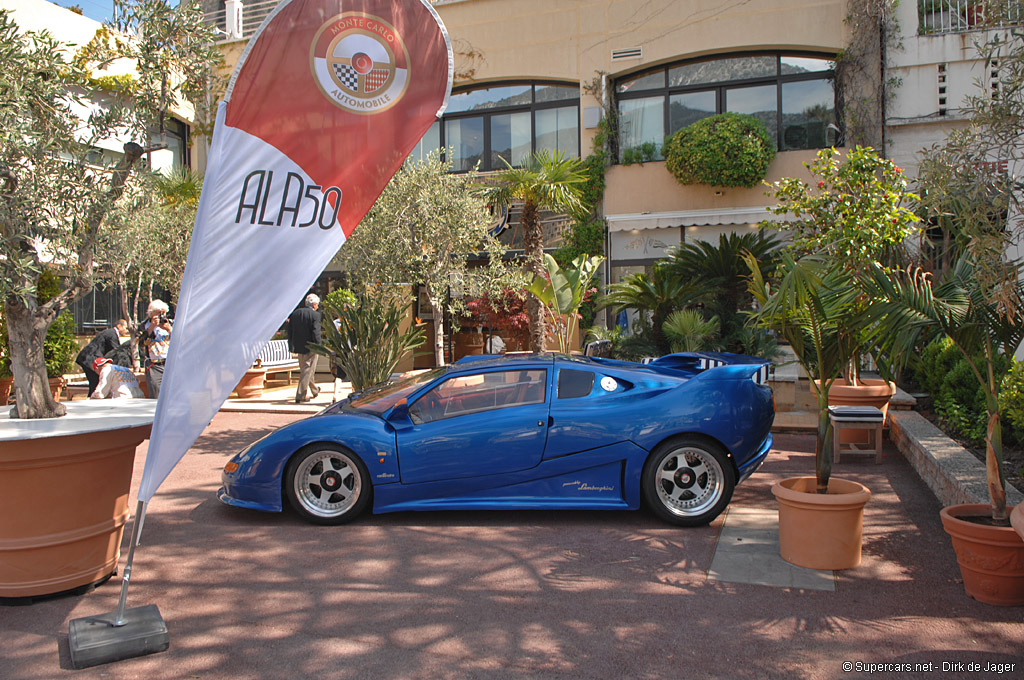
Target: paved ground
{"x":524,"y":594}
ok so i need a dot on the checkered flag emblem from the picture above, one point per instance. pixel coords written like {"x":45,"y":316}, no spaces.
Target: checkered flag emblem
{"x":347,"y":76}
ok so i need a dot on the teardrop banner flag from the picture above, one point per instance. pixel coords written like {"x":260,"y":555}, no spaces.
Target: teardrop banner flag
{"x":327,"y":101}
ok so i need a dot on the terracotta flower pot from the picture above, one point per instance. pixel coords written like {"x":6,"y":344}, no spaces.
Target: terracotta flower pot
{"x":251,"y":384}
{"x":57,"y":386}
{"x":991,"y":558}
{"x":821,"y":531}
{"x":64,"y":499}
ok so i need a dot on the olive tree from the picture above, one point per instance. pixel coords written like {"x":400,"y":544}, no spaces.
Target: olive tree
{"x":55,"y":189}
{"x":423,"y":229}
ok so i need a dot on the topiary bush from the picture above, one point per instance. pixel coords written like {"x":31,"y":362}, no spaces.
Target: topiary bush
{"x":726,"y":150}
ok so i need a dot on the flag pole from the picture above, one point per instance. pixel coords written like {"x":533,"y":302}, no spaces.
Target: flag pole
{"x":124,"y":633}
{"x":140,"y":515}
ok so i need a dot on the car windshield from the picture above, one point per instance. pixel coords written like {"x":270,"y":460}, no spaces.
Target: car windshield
{"x":380,"y":398}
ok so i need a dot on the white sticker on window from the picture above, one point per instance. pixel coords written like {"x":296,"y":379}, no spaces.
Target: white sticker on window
{"x":608,"y":384}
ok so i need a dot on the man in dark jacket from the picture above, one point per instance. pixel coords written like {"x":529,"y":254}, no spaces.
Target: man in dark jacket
{"x":304,"y":328}
{"x":97,"y":347}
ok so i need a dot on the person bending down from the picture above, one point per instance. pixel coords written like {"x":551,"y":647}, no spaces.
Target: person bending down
{"x":116,"y":382}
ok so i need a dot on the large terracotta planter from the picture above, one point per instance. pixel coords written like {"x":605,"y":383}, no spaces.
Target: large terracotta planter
{"x":873,"y":392}
{"x":64,"y":485}
{"x":991,"y":558}
{"x":251,"y":384}
{"x":821,"y":531}
{"x":5,"y":390}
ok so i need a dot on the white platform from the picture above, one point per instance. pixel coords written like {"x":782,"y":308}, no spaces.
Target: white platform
{"x":92,"y":415}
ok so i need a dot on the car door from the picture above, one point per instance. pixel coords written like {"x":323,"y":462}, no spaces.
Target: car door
{"x":490,"y":422}
{"x":586,"y":412}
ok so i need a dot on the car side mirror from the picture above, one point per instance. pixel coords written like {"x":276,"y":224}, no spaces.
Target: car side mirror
{"x":398,"y":418}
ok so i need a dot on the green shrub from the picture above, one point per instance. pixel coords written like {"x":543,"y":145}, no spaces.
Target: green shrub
{"x":60,"y":347}
{"x":936,"y":361}
{"x":1011,"y":399}
{"x":960,"y":403}
{"x":728,"y":150}
{"x":688,"y":331}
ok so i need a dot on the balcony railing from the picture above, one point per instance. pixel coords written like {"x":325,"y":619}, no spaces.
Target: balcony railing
{"x":957,"y":16}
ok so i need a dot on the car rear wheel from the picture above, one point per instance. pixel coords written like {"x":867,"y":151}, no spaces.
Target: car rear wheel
{"x":327,"y":484}
{"x":688,"y":481}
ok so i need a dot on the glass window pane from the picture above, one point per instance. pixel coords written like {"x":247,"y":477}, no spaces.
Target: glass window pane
{"x":760,"y":102}
{"x":490,"y":98}
{"x":510,"y":139}
{"x":684,"y":109}
{"x":651,"y":81}
{"x":806,"y":65}
{"x":722,"y":70}
{"x":465,"y":136}
{"x":559,"y":130}
{"x":808,"y":107}
{"x":574,"y":384}
{"x":555,"y":93}
{"x":641,"y":120}
{"x":430,"y":141}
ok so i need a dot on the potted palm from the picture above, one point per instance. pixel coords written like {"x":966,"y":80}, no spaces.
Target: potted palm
{"x":820,"y":517}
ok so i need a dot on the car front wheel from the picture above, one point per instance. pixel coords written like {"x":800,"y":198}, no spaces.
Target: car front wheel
{"x":688,"y":481}
{"x":327,"y":484}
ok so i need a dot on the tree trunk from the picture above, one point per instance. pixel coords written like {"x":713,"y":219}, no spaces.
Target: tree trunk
{"x":533,"y":248}
{"x":26,"y":328}
{"x":438,"y":329}
{"x":993,"y":473}
{"x":823,"y":445}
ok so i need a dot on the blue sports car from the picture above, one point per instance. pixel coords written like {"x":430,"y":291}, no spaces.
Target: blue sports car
{"x":523,"y":432}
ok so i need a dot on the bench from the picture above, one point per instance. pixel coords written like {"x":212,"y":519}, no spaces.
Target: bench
{"x":856,"y":418}
{"x":276,"y":358}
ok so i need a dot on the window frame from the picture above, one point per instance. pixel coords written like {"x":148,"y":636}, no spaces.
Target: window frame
{"x":720,"y":88}
{"x":487,"y":113}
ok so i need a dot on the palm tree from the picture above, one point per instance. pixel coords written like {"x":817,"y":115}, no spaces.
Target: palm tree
{"x":981,"y":311}
{"x":547,"y":181}
{"x":721,"y":268}
{"x":661,"y":293}
{"x":811,"y":307}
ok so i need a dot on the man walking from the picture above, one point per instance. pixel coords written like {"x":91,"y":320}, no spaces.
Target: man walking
{"x":97,"y":347}
{"x":304,"y":328}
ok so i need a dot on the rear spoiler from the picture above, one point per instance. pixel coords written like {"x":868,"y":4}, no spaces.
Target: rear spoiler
{"x":690,"y":364}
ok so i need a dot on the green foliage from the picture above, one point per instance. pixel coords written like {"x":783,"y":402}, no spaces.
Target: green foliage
{"x":562,"y":290}
{"x":636,"y":347}
{"x":640,"y":154}
{"x":936,"y":361}
{"x":370,"y":342}
{"x":1011,"y":398}
{"x":857,"y":212}
{"x":60,"y":347}
{"x":339,"y":297}
{"x":124,"y":84}
{"x":720,"y":267}
{"x":726,"y":150}
{"x":659,"y":294}
{"x":688,"y":331}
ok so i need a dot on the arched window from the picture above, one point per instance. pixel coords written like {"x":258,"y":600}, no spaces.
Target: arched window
{"x":792,"y":93}
{"x":507,"y":121}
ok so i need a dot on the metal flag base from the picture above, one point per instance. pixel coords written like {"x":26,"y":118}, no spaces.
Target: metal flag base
{"x":121,"y":634}
{"x":96,"y":640}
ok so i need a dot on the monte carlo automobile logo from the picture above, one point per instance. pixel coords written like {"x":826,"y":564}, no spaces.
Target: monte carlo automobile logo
{"x":360,"y":63}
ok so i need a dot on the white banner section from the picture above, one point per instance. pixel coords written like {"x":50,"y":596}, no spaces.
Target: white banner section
{"x":247,"y":269}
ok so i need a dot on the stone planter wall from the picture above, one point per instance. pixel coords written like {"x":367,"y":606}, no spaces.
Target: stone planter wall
{"x":950,"y":471}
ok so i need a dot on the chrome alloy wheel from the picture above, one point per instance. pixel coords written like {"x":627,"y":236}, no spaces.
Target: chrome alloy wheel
{"x":327,"y":483}
{"x":689,"y":481}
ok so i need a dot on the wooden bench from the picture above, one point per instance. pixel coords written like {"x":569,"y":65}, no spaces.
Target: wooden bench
{"x":276,"y":358}
{"x":856,"y":418}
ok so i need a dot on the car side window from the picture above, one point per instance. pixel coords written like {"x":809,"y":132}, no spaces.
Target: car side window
{"x":573,"y":384}
{"x":480,"y":392}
